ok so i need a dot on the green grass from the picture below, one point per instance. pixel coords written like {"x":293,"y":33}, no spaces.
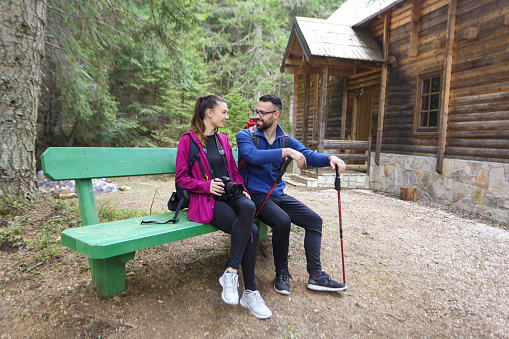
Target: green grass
{"x":32,"y":227}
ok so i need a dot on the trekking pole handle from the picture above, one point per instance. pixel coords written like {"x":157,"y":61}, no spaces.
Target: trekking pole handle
{"x":337,"y":182}
{"x":288,"y":160}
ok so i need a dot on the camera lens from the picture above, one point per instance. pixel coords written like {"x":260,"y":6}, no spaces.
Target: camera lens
{"x":233,"y":188}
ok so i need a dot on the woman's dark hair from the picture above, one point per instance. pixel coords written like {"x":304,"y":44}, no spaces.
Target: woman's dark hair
{"x":274,"y":99}
{"x":202,"y":104}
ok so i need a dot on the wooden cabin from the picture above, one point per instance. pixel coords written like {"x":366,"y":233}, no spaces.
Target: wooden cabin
{"x":424,"y":82}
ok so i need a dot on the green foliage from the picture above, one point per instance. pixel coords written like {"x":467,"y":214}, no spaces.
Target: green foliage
{"x":238,"y":113}
{"x":34,"y":226}
{"x":112,"y":212}
{"x":128,"y":73}
{"x":15,"y":205}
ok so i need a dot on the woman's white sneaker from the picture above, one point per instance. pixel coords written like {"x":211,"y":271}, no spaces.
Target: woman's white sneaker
{"x":230,"y":283}
{"x":252,"y":300}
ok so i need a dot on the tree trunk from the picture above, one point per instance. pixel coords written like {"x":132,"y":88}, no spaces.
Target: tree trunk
{"x":22,"y":28}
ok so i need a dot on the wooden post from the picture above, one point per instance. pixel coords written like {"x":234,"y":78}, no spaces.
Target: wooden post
{"x":446,"y":88}
{"x":323,"y":113}
{"x":383,"y":86}
{"x":305,"y":114}
{"x":316,"y":109}
{"x":344,"y":108}
{"x":295,"y":102}
{"x":414,"y":29}
{"x":355,"y":114}
{"x":368,"y":164}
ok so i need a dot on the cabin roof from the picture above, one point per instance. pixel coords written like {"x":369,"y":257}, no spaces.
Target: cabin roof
{"x":357,"y":12}
{"x":319,"y":37}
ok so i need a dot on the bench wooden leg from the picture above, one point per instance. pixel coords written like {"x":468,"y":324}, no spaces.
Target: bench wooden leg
{"x":263,"y":230}
{"x":109,"y":274}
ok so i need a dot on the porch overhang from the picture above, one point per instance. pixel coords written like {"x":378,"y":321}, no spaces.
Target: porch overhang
{"x":318,"y":43}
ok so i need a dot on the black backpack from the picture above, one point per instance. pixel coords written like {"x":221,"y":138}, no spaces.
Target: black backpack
{"x":179,"y":199}
{"x":256,"y":141}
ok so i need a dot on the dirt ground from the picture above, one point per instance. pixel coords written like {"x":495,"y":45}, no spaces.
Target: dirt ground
{"x":413,"y":269}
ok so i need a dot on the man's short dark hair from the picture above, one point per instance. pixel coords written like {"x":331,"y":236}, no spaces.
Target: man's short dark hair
{"x":274,"y":99}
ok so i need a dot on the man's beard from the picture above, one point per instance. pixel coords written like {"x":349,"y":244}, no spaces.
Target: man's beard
{"x":265,"y":125}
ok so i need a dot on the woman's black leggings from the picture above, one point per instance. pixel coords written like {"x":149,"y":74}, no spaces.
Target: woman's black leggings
{"x":235,"y":216}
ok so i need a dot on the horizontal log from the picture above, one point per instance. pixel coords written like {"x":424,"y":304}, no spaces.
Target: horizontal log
{"x":480,"y":99}
{"x":493,"y":87}
{"x":480,"y":63}
{"x":488,"y":11}
{"x":343,"y":144}
{"x":399,"y":134}
{"x":478,"y":134}
{"x":481,"y":72}
{"x":409,"y":141}
{"x":478,"y":152}
{"x":344,"y":147}
{"x":504,"y":115}
{"x":484,"y":48}
{"x":362,"y":157}
{"x":356,"y":168}
{"x":408,"y":127}
{"x":480,"y":81}
{"x":483,"y":125}
{"x":410,"y":148}
{"x":477,"y":143}
{"x":479,"y":108}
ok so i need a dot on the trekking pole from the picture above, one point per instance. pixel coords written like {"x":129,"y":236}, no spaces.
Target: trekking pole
{"x":278,"y":179}
{"x":337,"y":186}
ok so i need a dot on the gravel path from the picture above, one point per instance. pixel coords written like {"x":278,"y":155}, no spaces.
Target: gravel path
{"x":413,"y":269}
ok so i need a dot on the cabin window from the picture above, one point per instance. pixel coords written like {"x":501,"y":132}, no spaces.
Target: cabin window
{"x":428,"y":102}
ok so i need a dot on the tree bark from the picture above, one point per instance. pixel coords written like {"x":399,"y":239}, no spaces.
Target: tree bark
{"x":22,"y":29}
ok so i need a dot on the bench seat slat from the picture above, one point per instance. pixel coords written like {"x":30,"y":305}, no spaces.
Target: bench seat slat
{"x":107,"y":240}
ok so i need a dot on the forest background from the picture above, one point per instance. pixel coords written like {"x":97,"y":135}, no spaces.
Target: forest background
{"x":128,"y":73}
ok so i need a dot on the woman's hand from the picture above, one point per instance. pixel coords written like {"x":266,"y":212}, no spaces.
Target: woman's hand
{"x":246,"y":194}
{"x":216,"y":187}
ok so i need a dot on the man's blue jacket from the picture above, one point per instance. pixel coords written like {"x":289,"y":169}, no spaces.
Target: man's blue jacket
{"x":263,"y":162}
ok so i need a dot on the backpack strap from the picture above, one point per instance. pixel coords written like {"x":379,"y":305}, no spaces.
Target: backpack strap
{"x":194,"y":154}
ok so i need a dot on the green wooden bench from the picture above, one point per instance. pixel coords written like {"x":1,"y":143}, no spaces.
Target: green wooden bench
{"x":109,"y":245}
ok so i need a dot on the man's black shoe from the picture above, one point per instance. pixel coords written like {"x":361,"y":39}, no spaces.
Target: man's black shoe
{"x":282,"y":281}
{"x":325,"y":283}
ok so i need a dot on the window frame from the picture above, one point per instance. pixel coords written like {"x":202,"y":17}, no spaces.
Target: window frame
{"x":418,"y":102}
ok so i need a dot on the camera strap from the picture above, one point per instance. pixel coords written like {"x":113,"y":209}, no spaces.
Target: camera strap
{"x":221,"y":152}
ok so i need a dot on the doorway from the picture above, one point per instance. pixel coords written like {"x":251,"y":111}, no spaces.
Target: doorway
{"x":361,"y":122}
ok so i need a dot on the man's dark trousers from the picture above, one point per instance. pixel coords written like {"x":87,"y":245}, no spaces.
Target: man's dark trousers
{"x":279,"y":213}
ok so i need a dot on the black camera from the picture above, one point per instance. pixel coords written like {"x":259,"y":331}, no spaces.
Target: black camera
{"x":231,"y":187}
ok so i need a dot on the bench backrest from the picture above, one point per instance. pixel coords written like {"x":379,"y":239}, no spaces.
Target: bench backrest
{"x":64,"y":163}
{"x":83,"y":164}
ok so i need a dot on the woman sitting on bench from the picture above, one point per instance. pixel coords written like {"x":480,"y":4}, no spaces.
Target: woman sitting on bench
{"x":218,"y":196}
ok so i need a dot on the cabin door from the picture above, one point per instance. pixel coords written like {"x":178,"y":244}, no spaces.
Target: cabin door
{"x":362,"y":116}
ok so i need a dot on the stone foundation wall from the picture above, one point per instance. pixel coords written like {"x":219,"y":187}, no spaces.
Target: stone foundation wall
{"x":478,"y":187}
{"x":348,"y":180}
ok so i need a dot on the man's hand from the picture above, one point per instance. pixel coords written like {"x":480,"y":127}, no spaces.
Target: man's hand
{"x":216,"y":187}
{"x":334,"y":160}
{"x":295,"y":155}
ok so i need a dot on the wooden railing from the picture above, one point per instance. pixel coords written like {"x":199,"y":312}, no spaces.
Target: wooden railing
{"x":349,"y":151}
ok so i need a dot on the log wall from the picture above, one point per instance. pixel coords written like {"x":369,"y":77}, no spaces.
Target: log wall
{"x":478,"y":121}
{"x":478,"y":124}
{"x":334,"y":103}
